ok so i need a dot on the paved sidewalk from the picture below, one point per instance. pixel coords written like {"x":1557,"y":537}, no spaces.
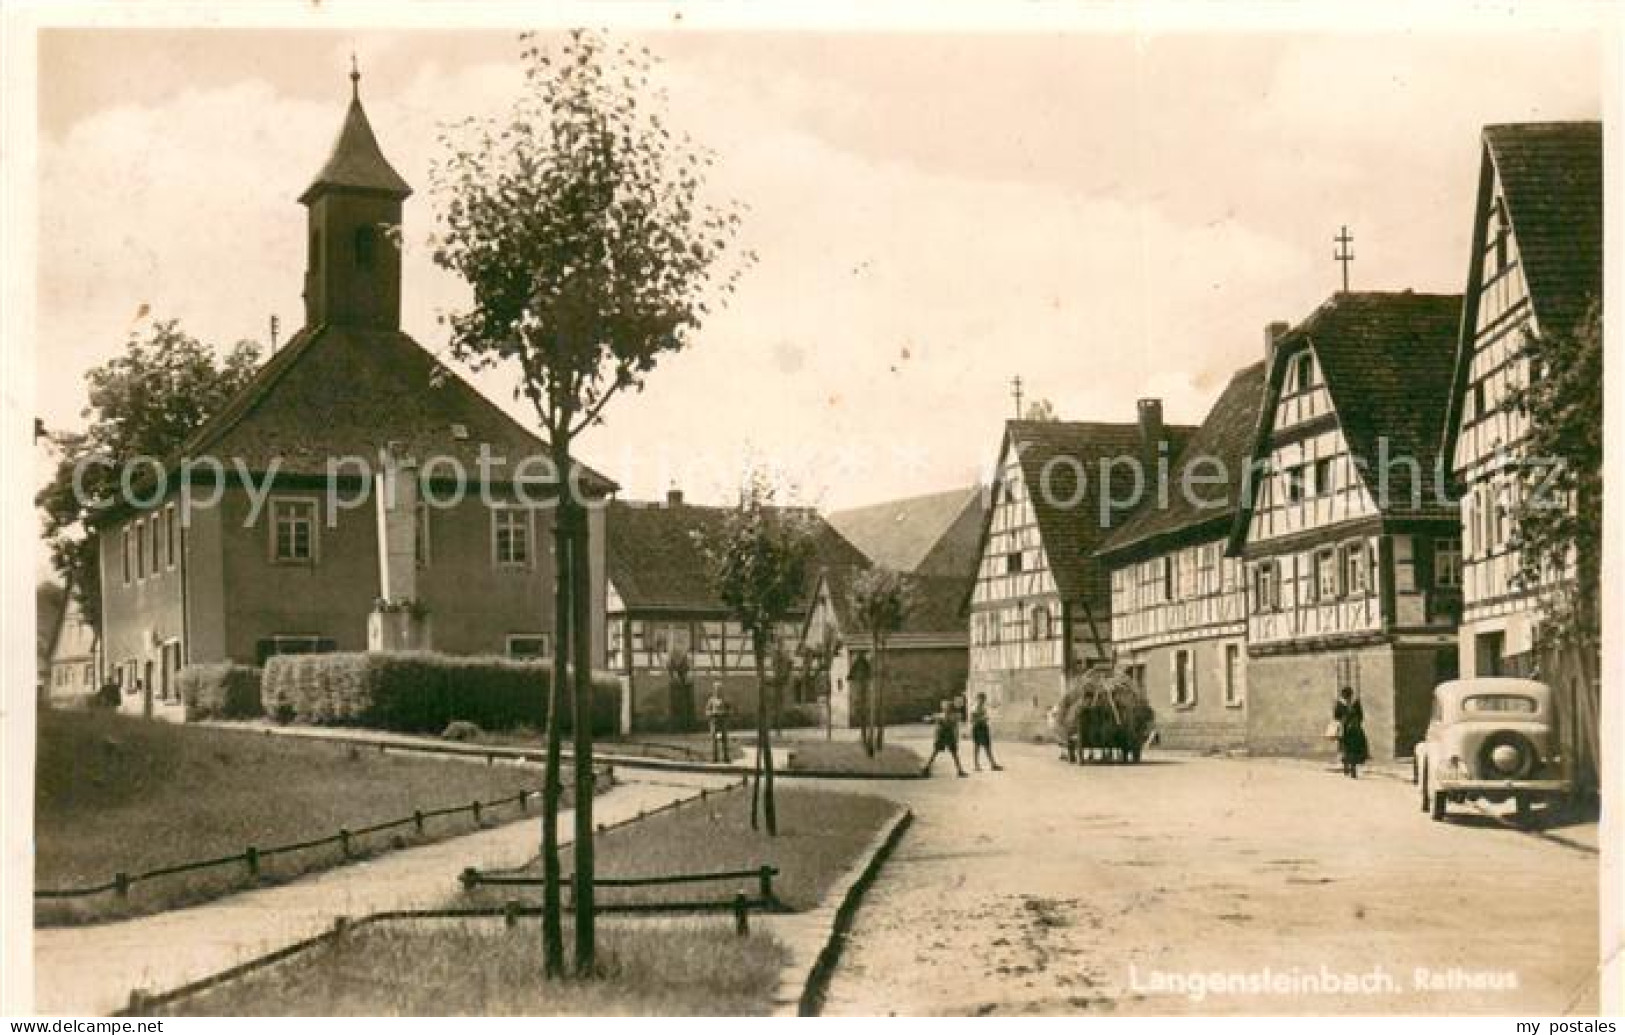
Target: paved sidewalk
{"x":80,"y":971}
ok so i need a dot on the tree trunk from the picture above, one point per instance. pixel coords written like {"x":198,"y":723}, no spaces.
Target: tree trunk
{"x":581,"y":621}
{"x":764,"y":747}
{"x":552,"y":909}
{"x":879,"y":718}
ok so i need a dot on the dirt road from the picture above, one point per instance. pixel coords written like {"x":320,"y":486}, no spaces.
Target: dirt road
{"x":1051,"y":889}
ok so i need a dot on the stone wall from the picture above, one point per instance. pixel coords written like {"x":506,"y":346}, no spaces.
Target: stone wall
{"x":1019,"y":699}
{"x":1208,"y":724}
{"x":1290,"y":699}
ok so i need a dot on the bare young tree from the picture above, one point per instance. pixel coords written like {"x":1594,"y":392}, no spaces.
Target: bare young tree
{"x":579,"y":224}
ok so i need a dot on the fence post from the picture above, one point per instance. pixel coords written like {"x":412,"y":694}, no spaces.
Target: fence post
{"x":524,"y":798}
{"x":468,"y":878}
{"x":251,"y":856}
{"x":417,"y":819}
{"x":510,"y":912}
{"x":741,"y":914}
{"x":475,"y":808}
{"x":344,"y":842}
{"x":121,"y":884}
{"x":764,"y":877}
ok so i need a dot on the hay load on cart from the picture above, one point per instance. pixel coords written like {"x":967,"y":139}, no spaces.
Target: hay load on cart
{"x":1105,"y":718}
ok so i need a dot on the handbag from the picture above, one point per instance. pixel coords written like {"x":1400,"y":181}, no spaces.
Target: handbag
{"x":1334,"y":730}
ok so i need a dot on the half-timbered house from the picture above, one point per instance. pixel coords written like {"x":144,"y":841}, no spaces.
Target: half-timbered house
{"x":925,"y":661}
{"x":1536,"y":267}
{"x":1178,"y":599}
{"x":662,"y":605}
{"x":1041,"y":601}
{"x":1349,"y":531}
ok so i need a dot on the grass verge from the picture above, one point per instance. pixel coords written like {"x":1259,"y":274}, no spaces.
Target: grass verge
{"x":821,"y":835}
{"x":673,"y":970}
{"x":846,"y":756}
{"x":116,"y":793}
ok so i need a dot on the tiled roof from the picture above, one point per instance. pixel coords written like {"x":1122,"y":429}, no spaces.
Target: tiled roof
{"x":336,"y":392}
{"x":357,"y":162}
{"x":1223,"y":443}
{"x":655,"y":564}
{"x":1070,"y":519}
{"x":1387,"y":359}
{"x":1551,"y":181}
{"x":940,"y":529}
{"x":936,"y":602}
{"x":1551,"y":178}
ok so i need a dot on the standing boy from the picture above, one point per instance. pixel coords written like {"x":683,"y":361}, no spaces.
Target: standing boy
{"x":981,"y":735}
{"x":947,"y":738}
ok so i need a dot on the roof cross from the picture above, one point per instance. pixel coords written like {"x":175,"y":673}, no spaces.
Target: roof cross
{"x":1343,"y":254}
{"x":1015,"y":389}
{"x":355,"y":78}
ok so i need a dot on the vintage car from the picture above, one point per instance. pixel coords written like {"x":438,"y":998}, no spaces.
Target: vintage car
{"x":1491,"y":738}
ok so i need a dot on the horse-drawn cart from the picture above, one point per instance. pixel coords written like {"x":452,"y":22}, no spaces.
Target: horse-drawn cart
{"x":1103,"y":717}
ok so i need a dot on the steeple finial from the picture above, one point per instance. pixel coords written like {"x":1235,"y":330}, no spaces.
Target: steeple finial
{"x":355,"y":78}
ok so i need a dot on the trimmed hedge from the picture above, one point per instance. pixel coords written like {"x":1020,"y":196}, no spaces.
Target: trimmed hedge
{"x":221,"y":691}
{"x":420,"y":692}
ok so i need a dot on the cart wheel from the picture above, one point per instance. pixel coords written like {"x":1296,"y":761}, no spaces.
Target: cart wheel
{"x":1440,"y":802}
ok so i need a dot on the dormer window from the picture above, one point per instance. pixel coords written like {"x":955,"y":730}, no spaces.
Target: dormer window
{"x":1303,"y":372}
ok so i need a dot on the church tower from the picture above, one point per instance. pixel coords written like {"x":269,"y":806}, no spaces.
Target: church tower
{"x":353,"y":262}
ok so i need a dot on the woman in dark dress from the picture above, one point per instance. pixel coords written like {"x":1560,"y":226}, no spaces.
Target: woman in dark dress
{"x":1351,"y":740}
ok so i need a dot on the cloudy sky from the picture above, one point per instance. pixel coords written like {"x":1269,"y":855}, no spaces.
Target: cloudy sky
{"x":1108,"y":216}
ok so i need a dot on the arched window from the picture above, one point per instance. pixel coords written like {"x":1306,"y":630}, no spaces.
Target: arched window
{"x":1041,"y":622}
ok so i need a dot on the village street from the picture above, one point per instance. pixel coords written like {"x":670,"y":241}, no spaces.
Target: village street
{"x":1051,"y":889}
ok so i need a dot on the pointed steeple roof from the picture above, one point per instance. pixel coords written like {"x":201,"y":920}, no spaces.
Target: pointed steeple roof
{"x":357,"y":163}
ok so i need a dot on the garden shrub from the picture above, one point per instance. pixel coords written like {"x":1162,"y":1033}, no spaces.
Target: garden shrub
{"x":220,"y":691}
{"x":420,"y":691}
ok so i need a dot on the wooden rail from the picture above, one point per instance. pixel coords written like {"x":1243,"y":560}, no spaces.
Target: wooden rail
{"x":251,"y":856}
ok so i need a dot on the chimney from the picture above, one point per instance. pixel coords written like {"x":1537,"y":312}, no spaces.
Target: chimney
{"x":1273,"y":332}
{"x":674,"y":497}
{"x":1150,"y":411}
{"x":1150,"y":423}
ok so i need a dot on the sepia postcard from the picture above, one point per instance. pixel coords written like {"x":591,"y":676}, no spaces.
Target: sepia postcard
{"x":716,"y":510}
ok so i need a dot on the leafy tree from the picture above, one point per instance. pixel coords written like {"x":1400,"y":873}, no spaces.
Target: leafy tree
{"x":144,"y":403}
{"x":880,"y":599}
{"x":49,"y":600}
{"x":1558,"y":516}
{"x":758,"y":559}
{"x":578,"y":222}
